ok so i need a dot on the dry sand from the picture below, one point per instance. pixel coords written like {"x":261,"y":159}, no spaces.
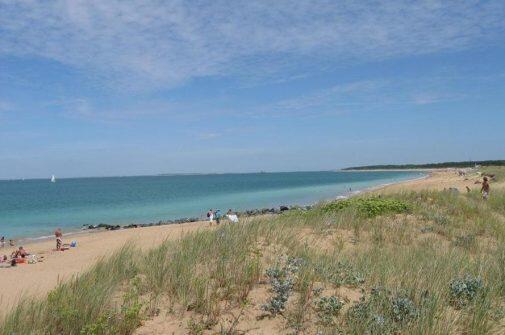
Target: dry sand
{"x":38,"y":279}
{"x":440,"y":180}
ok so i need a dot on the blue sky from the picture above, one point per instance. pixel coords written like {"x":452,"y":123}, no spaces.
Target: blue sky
{"x":94,"y":88}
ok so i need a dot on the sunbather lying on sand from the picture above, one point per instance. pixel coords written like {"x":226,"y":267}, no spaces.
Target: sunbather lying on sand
{"x":4,"y":262}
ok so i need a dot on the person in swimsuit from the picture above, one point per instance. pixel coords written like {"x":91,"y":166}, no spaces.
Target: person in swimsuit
{"x":59,"y":236}
{"x":20,"y":253}
{"x":485,"y":189}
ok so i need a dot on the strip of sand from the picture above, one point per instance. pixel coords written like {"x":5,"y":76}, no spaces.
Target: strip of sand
{"x":38,"y":279}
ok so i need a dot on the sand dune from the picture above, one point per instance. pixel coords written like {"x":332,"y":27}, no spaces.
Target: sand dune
{"x":38,"y":279}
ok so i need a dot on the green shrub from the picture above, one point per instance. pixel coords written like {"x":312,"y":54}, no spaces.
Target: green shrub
{"x":369,"y":207}
{"x":345,"y":274}
{"x":327,"y":309}
{"x":282,"y":280}
{"x":382,"y":313}
{"x":462,"y":291}
{"x":466,"y":241}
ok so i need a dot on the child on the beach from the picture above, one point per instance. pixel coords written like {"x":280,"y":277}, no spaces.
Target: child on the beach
{"x":485,"y":189}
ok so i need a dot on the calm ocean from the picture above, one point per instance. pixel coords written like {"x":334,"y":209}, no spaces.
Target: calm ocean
{"x":32,"y":208}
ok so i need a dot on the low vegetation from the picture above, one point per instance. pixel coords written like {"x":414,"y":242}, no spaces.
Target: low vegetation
{"x":369,"y":207}
{"x":463,"y":164}
{"x":406,"y":263}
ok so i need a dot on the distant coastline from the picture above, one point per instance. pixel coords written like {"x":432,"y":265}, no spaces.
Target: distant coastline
{"x":428,"y":166}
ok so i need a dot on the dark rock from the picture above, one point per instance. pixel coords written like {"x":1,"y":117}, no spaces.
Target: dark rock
{"x":283,"y":208}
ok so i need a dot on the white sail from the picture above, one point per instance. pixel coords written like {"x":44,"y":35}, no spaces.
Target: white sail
{"x":53,"y":179}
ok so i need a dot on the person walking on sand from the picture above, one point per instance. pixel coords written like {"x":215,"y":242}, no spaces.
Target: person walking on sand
{"x":59,"y":235}
{"x":485,"y":189}
{"x":210,"y":216}
{"x":232,"y":216}
{"x":217,"y":214}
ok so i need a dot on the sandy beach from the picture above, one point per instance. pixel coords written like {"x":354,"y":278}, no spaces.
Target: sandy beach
{"x":38,"y":279}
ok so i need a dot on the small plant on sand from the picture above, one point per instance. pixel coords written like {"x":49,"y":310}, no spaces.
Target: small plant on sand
{"x":383,"y":313}
{"x":403,"y":309}
{"x":195,"y":328}
{"x":342,"y":273}
{"x":465,"y":241}
{"x":327,"y":309}
{"x":282,"y":280}
{"x":462,"y":291}
{"x":131,"y":309}
{"x":102,"y":325}
{"x":435,"y":216}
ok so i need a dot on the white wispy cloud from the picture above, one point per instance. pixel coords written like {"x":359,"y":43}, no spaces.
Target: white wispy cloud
{"x":157,"y":44}
{"x":86,"y":109}
{"x":368,"y":95}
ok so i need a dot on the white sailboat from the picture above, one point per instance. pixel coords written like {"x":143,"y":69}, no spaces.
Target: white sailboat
{"x":53,"y":179}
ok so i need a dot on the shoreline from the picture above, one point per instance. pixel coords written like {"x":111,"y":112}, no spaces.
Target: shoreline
{"x":103,"y":227}
{"x":35,"y":280}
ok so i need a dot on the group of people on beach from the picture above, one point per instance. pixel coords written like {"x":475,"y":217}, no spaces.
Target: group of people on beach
{"x":216,"y":215}
{"x":2,"y":242}
{"x":17,"y":256}
{"x":20,"y":255}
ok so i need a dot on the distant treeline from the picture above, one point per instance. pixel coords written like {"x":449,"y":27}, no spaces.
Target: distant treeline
{"x":429,"y":166}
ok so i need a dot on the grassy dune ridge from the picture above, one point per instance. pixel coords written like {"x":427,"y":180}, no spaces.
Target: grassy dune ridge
{"x":430,"y":262}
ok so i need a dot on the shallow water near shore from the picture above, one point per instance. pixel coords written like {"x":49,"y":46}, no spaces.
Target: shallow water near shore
{"x":32,"y":208}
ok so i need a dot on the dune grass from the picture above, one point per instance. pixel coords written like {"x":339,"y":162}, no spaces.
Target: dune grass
{"x":421,"y":263}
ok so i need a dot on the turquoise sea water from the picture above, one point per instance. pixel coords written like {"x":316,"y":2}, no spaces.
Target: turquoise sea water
{"x":32,"y":208}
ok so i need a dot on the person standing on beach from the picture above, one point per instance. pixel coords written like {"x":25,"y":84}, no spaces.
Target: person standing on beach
{"x":218,"y":216}
{"x":59,"y":235}
{"x":485,"y":189}
{"x":232,"y":216}
{"x":2,"y":242}
{"x":210,"y":216}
